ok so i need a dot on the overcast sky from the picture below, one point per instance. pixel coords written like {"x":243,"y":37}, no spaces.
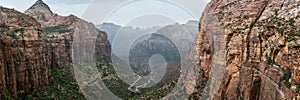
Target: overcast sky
{"x":141,"y":13}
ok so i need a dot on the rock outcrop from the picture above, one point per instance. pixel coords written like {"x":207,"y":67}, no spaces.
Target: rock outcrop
{"x":62,"y":31}
{"x":34,"y":42}
{"x":261,"y":44}
{"x":23,"y":63}
{"x":38,"y":8}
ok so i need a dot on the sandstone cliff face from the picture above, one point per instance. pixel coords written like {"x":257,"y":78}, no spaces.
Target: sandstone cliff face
{"x":261,"y":41}
{"x":62,"y":31}
{"x":23,"y":63}
{"x":32,"y":43}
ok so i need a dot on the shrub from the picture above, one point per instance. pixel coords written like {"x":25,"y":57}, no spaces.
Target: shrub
{"x":276,"y":12}
{"x":287,"y":84}
{"x":279,"y":24}
{"x":281,"y":30}
{"x":245,"y":17}
{"x":194,"y":96}
{"x":1,"y":31}
{"x":12,"y":35}
{"x":4,"y":26}
{"x":270,"y":61}
{"x":291,"y":21}
{"x":297,"y":88}
{"x":252,"y":25}
{"x":287,"y":76}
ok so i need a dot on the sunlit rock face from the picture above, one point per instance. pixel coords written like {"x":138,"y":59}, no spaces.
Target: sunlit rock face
{"x":261,"y":39}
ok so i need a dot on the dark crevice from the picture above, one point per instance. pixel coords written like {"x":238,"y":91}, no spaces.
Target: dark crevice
{"x":281,"y":6}
{"x":28,"y":70}
{"x":252,"y":74}
{"x":53,"y":56}
{"x":46,"y":55}
{"x":229,"y":37}
{"x":225,"y":88}
{"x":18,"y":59}
{"x":2,"y":45}
{"x":67,"y":49}
{"x":255,"y":90}
{"x":261,"y":47}
{"x":251,"y":27}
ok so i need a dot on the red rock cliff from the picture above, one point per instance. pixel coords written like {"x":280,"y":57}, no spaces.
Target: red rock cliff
{"x":33,"y":42}
{"x":23,"y":64}
{"x":62,"y":31}
{"x":261,"y":43}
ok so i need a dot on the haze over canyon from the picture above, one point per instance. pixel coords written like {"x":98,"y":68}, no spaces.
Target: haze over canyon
{"x":237,"y":50}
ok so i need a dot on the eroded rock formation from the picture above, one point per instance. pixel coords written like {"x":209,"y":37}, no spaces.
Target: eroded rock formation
{"x":23,"y":63}
{"x":261,"y":41}
{"x":32,"y":43}
{"x":61,"y":32}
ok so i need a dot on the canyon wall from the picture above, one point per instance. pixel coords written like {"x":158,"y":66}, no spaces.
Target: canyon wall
{"x":34,"y":42}
{"x":23,"y":63}
{"x":61,"y":32}
{"x":261,"y":44}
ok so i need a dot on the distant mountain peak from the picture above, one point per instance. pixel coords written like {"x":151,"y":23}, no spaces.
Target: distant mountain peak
{"x":192,"y":23}
{"x":38,"y":7}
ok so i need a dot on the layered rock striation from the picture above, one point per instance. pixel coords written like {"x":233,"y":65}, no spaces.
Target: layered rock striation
{"x":23,"y":63}
{"x":61,"y":32}
{"x":261,"y":44}
{"x":34,"y":42}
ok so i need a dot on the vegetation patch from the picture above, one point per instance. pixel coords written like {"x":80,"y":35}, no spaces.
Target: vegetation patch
{"x":12,"y":35}
{"x":120,"y":89}
{"x":58,"y":29}
{"x":287,"y":76}
{"x":270,"y":61}
{"x":2,"y":31}
{"x":297,"y":88}
{"x":62,"y":87}
{"x":4,"y":26}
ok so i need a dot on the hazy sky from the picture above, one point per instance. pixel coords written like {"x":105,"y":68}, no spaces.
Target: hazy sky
{"x":142,"y":13}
